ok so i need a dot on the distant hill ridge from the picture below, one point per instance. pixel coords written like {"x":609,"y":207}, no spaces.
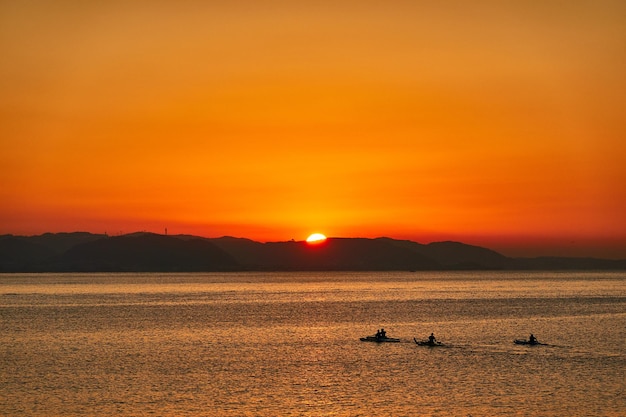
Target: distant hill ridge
{"x":149,"y":252}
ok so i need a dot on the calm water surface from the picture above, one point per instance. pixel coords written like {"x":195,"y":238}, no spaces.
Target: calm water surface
{"x":287,"y":344}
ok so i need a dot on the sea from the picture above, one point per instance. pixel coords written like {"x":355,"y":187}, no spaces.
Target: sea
{"x":288,"y":344}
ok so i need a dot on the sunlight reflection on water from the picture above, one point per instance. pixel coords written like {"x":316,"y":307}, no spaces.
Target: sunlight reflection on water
{"x":287,"y":344}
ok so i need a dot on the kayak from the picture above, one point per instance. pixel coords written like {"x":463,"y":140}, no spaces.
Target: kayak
{"x":526,"y":342}
{"x":380,"y":339}
{"x":427,"y":343}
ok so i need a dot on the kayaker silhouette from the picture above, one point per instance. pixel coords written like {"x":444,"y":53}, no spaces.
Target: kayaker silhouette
{"x":532,"y":338}
{"x":431,"y":339}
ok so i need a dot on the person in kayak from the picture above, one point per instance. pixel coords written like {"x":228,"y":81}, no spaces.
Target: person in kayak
{"x":532,"y":339}
{"x":431,"y":339}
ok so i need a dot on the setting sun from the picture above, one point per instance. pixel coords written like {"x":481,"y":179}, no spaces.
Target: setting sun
{"x":316,"y":238}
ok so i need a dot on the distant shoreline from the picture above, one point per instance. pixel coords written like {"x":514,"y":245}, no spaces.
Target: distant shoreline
{"x":150,"y":252}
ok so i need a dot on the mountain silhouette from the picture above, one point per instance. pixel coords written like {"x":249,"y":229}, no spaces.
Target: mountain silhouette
{"x":138,"y":252}
{"x":332,"y":254}
{"x":149,"y":252}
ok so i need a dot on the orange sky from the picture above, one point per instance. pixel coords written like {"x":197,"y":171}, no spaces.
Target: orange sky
{"x":495,"y":123}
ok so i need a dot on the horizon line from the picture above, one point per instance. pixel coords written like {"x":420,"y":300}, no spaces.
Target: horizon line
{"x":121,"y":233}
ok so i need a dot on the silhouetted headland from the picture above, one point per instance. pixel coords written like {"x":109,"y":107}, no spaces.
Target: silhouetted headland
{"x":149,"y":252}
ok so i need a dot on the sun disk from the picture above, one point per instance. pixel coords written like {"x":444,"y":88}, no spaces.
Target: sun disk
{"x":316,"y":238}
